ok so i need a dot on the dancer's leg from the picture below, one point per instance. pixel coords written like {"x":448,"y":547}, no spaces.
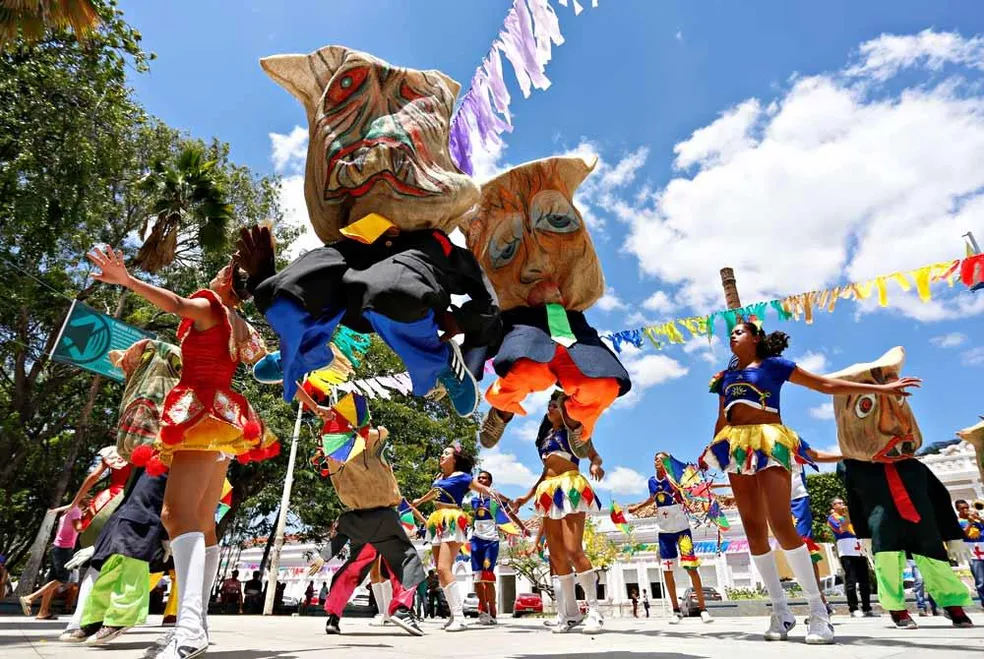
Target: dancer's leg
{"x":526,"y":376}
{"x":945,"y":587}
{"x":889,"y":566}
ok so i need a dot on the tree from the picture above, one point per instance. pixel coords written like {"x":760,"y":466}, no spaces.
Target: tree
{"x":32,"y":18}
{"x":823,"y":488}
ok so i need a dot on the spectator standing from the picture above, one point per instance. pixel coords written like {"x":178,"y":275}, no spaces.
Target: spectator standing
{"x":433,"y":590}
{"x":852,"y":560}
{"x":69,"y":527}
{"x":645,"y":601}
{"x":973,"y":528}
{"x":323,"y":593}
{"x":253,"y":594}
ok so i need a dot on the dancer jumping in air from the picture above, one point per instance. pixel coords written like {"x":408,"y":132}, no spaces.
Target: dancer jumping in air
{"x":204,"y":423}
{"x":562,"y":497}
{"x":757,"y":452}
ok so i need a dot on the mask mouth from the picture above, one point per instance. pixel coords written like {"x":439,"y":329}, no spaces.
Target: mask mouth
{"x":899,"y":448}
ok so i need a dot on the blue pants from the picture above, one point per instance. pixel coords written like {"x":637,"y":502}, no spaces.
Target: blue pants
{"x":977,"y":569}
{"x":304,"y":343}
{"x":484,"y":554}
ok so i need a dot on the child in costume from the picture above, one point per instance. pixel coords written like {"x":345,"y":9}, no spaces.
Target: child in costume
{"x":893,"y":498}
{"x":447,"y":526}
{"x":563,"y":497}
{"x":676,"y":541}
{"x":973,"y":529}
{"x":115,"y":590}
{"x":381,"y":191}
{"x":484,"y":544}
{"x":757,"y":452}
{"x":535,"y":247}
{"x":852,"y":559}
{"x":203,"y":423}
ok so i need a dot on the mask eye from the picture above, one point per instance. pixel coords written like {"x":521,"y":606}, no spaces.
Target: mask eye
{"x":346,"y":84}
{"x":864,"y":406}
{"x":557,"y":223}
{"x":502,"y":254}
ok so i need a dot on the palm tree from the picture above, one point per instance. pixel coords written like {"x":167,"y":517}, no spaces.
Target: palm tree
{"x":190,"y":210}
{"x":32,"y":18}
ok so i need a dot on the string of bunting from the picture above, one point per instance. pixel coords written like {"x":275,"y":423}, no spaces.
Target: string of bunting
{"x":970,"y":271}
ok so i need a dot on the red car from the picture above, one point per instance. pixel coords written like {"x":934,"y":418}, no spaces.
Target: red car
{"x":527,"y":603}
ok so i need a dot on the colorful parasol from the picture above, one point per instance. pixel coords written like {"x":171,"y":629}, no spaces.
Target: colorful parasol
{"x":344,"y":435}
{"x":502,"y":520}
{"x":407,"y":520}
{"x":618,"y":518}
{"x":698,"y":497}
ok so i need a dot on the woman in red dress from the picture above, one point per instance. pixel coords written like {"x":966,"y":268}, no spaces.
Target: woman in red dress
{"x":204,"y":423}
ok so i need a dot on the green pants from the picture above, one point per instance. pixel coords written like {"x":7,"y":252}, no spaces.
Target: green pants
{"x":945,"y":587}
{"x":121,"y":595}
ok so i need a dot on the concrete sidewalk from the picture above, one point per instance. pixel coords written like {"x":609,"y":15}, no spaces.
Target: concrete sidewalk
{"x":252,"y":637}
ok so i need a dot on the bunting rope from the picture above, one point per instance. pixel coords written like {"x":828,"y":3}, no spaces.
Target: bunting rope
{"x":970,"y":271}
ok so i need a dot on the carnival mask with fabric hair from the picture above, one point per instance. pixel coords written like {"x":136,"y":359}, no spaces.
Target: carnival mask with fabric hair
{"x":152,"y":368}
{"x":378,"y":141}
{"x":531,"y":240}
{"x":974,"y":436}
{"x":871,"y":427}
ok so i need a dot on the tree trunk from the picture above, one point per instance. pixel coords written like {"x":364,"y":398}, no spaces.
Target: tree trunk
{"x":33,"y":566}
{"x":269,"y":546}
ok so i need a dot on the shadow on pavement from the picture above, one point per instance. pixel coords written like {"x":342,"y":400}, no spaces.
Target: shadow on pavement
{"x":907,"y":640}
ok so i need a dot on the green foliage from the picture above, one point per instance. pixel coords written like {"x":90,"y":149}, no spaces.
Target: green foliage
{"x":745,"y":593}
{"x":823,"y":488}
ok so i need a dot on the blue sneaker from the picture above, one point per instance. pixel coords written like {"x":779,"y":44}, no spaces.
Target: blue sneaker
{"x":269,"y":370}
{"x":459,"y":383}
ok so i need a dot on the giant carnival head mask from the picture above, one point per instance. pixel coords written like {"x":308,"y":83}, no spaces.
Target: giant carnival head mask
{"x":876,"y":428}
{"x":152,"y":368}
{"x":974,"y":436}
{"x":532,"y":241}
{"x":378,"y":141}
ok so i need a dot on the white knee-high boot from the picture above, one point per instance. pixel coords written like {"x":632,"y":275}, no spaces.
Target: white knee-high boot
{"x":453,"y":594}
{"x":188,"y":550}
{"x":84,"y":589}
{"x":589,"y":584}
{"x":820,"y":631}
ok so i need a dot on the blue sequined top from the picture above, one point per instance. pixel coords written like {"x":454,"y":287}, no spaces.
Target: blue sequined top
{"x":555,"y":442}
{"x":452,"y":490}
{"x":758,"y":386}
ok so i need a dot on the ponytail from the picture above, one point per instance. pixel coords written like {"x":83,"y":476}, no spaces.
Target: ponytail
{"x":769,"y":345}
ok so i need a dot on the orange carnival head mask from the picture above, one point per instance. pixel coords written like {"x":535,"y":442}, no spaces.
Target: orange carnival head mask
{"x":378,"y":141}
{"x":876,"y":428}
{"x":531,"y":240}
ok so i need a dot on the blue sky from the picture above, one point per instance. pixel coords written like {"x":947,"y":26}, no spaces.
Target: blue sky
{"x":804,"y":145}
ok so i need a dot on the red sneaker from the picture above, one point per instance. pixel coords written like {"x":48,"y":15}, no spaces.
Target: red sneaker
{"x":902,"y":620}
{"x":958,"y":617}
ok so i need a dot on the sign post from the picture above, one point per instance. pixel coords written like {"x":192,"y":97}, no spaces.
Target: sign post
{"x":87,"y":337}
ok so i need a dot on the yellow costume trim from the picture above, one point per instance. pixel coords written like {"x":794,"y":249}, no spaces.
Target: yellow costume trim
{"x":448,"y":525}
{"x":751,"y":448}
{"x":567,"y":494}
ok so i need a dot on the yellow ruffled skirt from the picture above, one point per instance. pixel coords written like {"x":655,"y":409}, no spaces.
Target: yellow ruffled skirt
{"x":749,"y":449}
{"x":567,"y":494}
{"x":448,"y":525}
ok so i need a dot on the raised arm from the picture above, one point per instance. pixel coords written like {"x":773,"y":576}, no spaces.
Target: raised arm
{"x":427,"y":498}
{"x":595,"y":469}
{"x":835,"y":387}
{"x":88,"y":484}
{"x":648,"y":502}
{"x":823,"y":456}
{"x":113,"y":271}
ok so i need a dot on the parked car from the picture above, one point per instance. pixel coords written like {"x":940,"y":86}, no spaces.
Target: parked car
{"x":470,"y":608}
{"x":527,"y":603}
{"x":688,"y":603}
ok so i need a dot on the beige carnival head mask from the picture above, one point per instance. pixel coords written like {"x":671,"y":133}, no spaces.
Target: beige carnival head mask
{"x":974,"y":436}
{"x":532,"y":241}
{"x":378,"y":141}
{"x":871,"y":427}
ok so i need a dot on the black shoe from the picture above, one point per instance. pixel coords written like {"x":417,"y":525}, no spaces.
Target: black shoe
{"x":331,"y":627}
{"x":957,"y":616}
{"x":902,"y":620}
{"x":406,"y":620}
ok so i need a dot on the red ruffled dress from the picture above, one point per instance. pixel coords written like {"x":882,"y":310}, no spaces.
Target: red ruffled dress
{"x":202,"y":412}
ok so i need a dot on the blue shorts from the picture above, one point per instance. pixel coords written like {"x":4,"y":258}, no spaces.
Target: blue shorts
{"x":678,"y":548}
{"x":484,"y":554}
{"x":803,"y":517}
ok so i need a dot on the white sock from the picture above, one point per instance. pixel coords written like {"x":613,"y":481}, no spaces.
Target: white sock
{"x":453,"y":595}
{"x":589,"y":584}
{"x":211,"y":572}
{"x":377,"y":594}
{"x":386,"y":589}
{"x":567,"y":597}
{"x":766,"y":566}
{"x":188,"y":550}
{"x":802,"y":566}
{"x":88,"y":581}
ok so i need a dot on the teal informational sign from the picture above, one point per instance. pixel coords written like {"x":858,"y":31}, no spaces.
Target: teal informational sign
{"x":88,"y":336}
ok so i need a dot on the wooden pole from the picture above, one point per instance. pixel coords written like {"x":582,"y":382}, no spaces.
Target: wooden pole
{"x":730,"y":286}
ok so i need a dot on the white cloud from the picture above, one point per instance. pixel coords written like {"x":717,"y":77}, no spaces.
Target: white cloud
{"x":951,"y":340}
{"x":709,"y":351}
{"x":610,"y":301}
{"x":824,"y":411}
{"x":973,"y":357}
{"x":885,"y":56}
{"x":625,"y":170}
{"x":506,"y":469}
{"x":852,"y":179}
{"x":659,"y":302}
{"x":653,"y":369}
{"x":679,"y":35}
{"x":622,"y":480}
{"x":289,"y":151}
{"x":814,"y":362}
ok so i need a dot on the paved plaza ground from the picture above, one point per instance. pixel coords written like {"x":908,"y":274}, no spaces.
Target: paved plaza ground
{"x":250,"y":637}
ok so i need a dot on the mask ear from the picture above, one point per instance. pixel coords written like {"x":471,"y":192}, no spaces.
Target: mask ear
{"x":573,"y":171}
{"x":305,"y":76}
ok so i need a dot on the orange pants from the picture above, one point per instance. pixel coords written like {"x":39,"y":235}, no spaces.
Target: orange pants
{"x":588,"y":397}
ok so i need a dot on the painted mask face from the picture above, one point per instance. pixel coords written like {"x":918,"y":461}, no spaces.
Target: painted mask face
{"x":876,"y":428}
{"x":152,"y":368}
{"x":975,"y":437}
{"x":378,"y":141}
{"x":532,"y":241}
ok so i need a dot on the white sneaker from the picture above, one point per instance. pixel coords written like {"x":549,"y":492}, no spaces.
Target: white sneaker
{"x":593,"y":624}
{"x":183,"y":647}
{"x":456,"y":625}
{"x":706,"y":617}
{"x":447,"y":623}
{"x":779,"y":626}
{"x":857,"y":614}
{"x":676,"y":618}
{"x":564,"y":627}
{"x":485,"y":619}
{"x":378,"y":620}
{"x":819,"y":631}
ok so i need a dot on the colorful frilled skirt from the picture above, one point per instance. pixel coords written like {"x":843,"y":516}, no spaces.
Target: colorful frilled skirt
{"x":213,"y":419}
{"x":567,"y":494}
{"x":746,"y":450}
{"x":448,"y":525}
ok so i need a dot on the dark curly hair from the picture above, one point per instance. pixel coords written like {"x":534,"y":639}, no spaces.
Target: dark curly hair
{"x":463,"y":462}
{"x":239,"y":288}
{"x":769,"y":345}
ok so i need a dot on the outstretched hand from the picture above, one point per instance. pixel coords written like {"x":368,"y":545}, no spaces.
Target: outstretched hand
{"x":901,"y":386}
{"x":112,"y":270}
{"x":255,"y":253}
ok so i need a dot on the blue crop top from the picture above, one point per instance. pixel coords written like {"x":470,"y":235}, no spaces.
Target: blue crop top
{"x":758,"y":386}
{"x":555,"y":442}
{"x":663,"y":492}
{"x":452,"y":490}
